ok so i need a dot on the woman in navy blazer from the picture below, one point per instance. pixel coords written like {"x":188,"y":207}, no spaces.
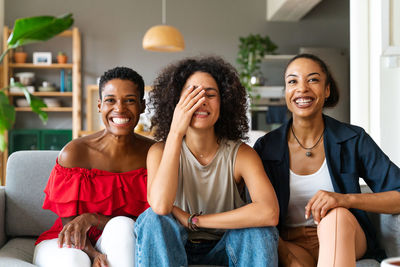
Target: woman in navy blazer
{"x":314,"y":163}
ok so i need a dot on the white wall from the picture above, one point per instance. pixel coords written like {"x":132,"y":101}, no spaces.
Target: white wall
{"x":112,"y":31}
{"x":375,"y":71}
{"x":390,"y":89}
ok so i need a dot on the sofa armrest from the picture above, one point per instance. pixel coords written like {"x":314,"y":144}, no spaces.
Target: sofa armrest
{"x":388,"y":229}
{"x":389,"y":233}
{"x":2,"y":215}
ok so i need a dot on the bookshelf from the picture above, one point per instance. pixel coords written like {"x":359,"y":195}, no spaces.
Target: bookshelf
{"x":72,"y":98}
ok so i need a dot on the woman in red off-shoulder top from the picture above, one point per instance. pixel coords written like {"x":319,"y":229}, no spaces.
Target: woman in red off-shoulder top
{"x":98,"y":185}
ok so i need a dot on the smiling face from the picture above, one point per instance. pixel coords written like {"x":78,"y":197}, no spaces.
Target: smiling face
{"x":120,"y":106}
{"x":305,"y":88}
{"x":207,"y":115}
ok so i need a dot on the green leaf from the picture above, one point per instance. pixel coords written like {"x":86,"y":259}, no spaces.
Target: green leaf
{"x":7,"y":113}
{"x":251,"y":51}
{"x":36,"y":29}
{"x":35,"y":102}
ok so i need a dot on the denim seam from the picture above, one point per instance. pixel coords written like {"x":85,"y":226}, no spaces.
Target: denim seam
{"x":231,"y":254}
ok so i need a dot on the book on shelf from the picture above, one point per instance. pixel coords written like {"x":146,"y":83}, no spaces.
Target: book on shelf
{"x":69,"y":81}
{"x":62,"y":81}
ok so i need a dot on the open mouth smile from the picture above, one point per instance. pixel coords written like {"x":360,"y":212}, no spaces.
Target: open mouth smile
{"x":201,"y":114}
{"x":303,"y":102}
{"x":120,"y":121}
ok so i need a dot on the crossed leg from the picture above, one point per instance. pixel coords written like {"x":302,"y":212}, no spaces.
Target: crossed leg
{"x":341,"y":239}
{"x":339,"y":236}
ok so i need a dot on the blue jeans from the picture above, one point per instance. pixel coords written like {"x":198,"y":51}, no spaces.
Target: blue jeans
{"x":161,"y":241}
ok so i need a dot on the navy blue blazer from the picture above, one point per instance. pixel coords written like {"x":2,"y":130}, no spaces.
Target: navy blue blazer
{"x":350,"y":153}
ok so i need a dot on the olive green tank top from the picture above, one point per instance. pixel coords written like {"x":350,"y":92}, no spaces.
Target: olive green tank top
{"x":211,"y":188}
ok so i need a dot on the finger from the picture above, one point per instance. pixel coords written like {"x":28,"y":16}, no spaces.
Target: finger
{"x":83,"y":239}
{"x":197,"y":105}
{"x":77,"y":239}
{"x":195,"y":101}
{"x":316,"y":209}
{"x":60,"y":240}
{"x":325,"y":210}
{"x":104,"y":262}
{"x":309,"y":205}
{"x":195,"y":93}
{"x":67,"y":238}
{"x":185,"y":92}
{"x":192,"y":92}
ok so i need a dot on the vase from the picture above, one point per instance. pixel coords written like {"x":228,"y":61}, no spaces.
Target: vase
{"x":20,"y":57}
{"x":62,"y":59}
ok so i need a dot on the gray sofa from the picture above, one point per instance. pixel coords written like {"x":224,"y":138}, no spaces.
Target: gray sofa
{"x":22,"y":219}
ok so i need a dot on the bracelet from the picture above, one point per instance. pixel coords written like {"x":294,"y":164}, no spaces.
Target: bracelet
{"x":192,"y":221}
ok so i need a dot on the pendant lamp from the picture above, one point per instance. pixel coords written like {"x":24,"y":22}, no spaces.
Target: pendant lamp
{"x":163,"y":38}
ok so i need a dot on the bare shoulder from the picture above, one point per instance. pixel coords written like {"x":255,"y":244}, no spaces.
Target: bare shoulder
{"x":246,"y":152}
{"x":74,"y":154}
{"x":157,"y":148}
{"x":154,"y":155}
{"x":246,"y":159}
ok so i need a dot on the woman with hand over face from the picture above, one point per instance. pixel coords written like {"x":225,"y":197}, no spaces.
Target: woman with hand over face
{"x":98,"y":185}
{"x":314,"y":163}
{"x":198,"y":171}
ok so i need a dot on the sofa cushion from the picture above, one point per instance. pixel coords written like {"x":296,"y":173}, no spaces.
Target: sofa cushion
{"x":25,"y":182}
{"x":389,"y":233}
{"x":367,"y":263}
{"x":17,"y":252}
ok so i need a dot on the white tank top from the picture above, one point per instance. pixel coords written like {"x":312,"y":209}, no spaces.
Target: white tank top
{"x":209,"y":189}
{"x":302,"y":189}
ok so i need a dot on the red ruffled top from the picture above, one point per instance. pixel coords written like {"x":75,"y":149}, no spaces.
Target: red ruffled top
{"x":73,"y":191}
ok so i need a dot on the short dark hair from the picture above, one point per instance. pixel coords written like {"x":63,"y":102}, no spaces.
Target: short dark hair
{"x":232,"y":123}
{"x":122,"y":73}
{"x":333,"y":98}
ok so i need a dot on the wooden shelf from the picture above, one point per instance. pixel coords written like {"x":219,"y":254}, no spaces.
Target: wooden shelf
{"x":62,"y":94}
{"x":74,"y":66}
{"x":54,"y":109}
{"x":39,"y":66}
{"x":66,"y":33}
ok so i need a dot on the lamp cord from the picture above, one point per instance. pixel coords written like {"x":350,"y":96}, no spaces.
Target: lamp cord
{"x":164,"y":12}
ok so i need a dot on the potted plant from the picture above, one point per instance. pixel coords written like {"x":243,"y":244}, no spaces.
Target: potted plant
{"x":251,"y":51}
{"x":19,"y":55}
{"x":62,"y":58}
{"x":28,"y":30}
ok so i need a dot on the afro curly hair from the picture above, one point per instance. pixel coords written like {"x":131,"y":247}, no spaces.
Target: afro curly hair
{"x":232,"y":123}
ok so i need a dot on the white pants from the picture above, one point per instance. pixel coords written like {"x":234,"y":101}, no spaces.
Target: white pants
{"x":117,"y":242}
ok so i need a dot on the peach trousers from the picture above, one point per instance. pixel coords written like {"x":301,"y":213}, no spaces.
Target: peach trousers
{"x":337,"y":241}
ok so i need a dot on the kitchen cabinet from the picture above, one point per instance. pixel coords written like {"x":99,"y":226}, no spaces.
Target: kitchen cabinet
{"x":271,"y":94}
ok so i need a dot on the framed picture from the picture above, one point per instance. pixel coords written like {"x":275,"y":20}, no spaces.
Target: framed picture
{"x":42,"y":58}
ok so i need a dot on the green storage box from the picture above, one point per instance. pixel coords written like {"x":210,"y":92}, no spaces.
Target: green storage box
{"x":54,"y":139}
{"x":24,"y":140}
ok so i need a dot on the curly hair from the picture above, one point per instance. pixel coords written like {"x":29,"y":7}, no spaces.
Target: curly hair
{"x":232,"y":123}
{"x":122,"y":73}
{"x":333,"y":98}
